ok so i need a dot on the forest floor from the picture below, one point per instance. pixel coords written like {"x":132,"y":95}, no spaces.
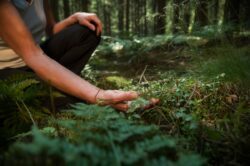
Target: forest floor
{"x":203,"y":116}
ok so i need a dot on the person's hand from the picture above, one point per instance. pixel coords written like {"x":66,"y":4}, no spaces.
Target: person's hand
{"x":116,"y":98}
{"x":121,"y":100}
{"x":90,"y":20}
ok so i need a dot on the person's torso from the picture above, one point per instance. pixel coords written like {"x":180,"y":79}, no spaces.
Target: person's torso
{"x":34,"y":17}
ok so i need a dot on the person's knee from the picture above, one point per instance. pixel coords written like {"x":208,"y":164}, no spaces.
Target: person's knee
{"x":93,"y":38}
{"x":96,"y":39}
{"x":88,"y":35}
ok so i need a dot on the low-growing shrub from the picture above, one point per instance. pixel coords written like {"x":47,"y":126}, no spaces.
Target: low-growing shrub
{"x":92,"y":135}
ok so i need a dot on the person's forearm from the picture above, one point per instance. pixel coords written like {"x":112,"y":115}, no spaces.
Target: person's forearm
{"x":20,"y":40}
{"x":52,"y":26}
{"x":61,"y":77}
{"x":64,"y":23}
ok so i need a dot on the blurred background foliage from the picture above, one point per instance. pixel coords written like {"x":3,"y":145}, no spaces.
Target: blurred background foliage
{"x":126,"y":18}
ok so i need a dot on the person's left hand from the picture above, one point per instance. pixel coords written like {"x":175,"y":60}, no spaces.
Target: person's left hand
{"x":90,"y":20}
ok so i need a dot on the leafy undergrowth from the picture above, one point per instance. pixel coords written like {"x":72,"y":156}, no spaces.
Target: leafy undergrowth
{"x":92,"y":135}
{"x":205,"y":102}
{"x":212,"y":117}
{"x":200,"y":120}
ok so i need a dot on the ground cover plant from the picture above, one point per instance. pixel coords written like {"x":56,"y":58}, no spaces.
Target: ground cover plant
{"x":193,"y":55}
{"x":202,"y":119}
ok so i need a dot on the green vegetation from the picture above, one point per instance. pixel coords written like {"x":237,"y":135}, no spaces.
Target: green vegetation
{"x":203,"y":116}
{"x":193,"y":55}
{"x":91,"y":135}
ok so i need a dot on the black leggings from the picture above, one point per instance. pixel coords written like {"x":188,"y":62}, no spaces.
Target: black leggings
{"x":72,"y":48}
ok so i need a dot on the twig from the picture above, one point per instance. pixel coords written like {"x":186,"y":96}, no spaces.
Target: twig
{"x":142,"y":75}
{"x":163,"y":115}
{"x":30,"y":115}
{"x":194,"y":90}
{"x":145,"y":79}
{"x":192,"y":94}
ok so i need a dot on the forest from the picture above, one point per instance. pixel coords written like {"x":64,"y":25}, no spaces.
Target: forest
{"x":126,"y":18}
{"x":193,"y":55}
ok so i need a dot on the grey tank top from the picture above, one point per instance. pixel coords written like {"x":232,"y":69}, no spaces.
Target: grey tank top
{"x":34,"y":17}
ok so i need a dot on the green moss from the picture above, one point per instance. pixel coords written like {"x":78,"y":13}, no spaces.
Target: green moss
{"x":117,"y":81}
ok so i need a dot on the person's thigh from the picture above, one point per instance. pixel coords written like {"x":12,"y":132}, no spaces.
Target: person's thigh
{"x":72,"y":45}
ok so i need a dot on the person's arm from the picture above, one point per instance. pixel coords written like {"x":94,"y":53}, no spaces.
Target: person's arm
{"x":89,"y":20}
{"x":20,"y":40}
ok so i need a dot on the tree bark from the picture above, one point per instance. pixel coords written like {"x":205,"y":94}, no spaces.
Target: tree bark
{"x":221,"y":14}
{"x":127,"y":16}
{"x":232,"y":12}
{"x":176,"y":15}
{"x":160,"y":20}
{"x":120,"y":4}
{"x":202,"y":12}
{"x":54,"y":6}
{"x":245,"y":8}
{"x":66,"y":8}
{"x":85,"y":5}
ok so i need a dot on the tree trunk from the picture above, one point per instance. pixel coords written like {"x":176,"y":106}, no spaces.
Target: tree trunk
{"x":160,"y":20}
{"x":120,"y":4}
{"x":186,"y":7}
{"x":66,"y":8}
{"x":145,"y":18}
{"x":192,"y":16}
{"x":54,"y":7}
{"x":127,"y":16}
{"x":232,"y":12}
{"x":202,"y":13}
{"x":213,"y":11}
{"x":107,"y":17}
{"x":221,"y":14}
{"x":176,"y":15}
{"x":245,"y":7}
{"x":85,"y":5}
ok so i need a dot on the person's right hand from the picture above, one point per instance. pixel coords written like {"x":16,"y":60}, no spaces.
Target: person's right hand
{"x":116,"y":98}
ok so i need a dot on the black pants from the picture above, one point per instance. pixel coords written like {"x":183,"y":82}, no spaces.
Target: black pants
{"x":72,"y":48}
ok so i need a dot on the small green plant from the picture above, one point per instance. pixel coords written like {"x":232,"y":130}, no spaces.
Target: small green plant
{"x":234,"y":62}
{"x":93,"y":135}
{"x":21,"y":104}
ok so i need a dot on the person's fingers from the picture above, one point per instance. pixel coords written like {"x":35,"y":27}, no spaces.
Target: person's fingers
{"x":88,"y":24}
{"x":152,"y":103}
{"x":115,"y":96}
{"x":124,"y":106}
{"x":97,"y":22}
{"x":124,"y":96}
{"x":121,"y":107}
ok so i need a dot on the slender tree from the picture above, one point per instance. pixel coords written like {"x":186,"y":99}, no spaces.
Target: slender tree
{"x":176,"y":18}
{"x":202,"y":12}
{"x":232,"y":12}
{"x":213,"y":11}
{"x":66,"y":8}
{"x":160,"y":19}
{"x":54,"y":5}
{"x":121,"y":4}
{"x":192,"y":15}
{"x":127,"y":16}
{"x":221,"y":14}
{"x":245,"y":12}
{"x":86,"y":5}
